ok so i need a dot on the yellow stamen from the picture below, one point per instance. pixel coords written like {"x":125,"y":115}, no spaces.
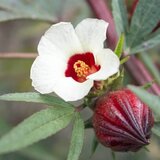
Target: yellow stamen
{"x":81,"y":68}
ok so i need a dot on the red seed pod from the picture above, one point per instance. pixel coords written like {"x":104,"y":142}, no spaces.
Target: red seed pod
{"x":122,"y":121}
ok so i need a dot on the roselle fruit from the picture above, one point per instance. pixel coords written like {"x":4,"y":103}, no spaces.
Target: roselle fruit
{"x":122,"y":121}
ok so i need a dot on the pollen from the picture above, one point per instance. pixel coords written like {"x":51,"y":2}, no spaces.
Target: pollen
{"x":80,"y":66}
{"x":81,"y":69}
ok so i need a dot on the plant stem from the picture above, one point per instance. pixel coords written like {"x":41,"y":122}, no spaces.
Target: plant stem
{"x":148,"y":61}
{"x":135,"y":67}
{"x":138,"y":71}
{"x":18,"y":55}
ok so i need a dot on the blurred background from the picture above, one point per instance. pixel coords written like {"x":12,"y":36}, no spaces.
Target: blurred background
{"x":23,"y":36}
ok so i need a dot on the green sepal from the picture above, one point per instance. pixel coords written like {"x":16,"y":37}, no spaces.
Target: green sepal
{"x":119,"y":48}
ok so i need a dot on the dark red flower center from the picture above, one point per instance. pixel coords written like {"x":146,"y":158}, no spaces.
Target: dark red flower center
{"x":80,"y":66}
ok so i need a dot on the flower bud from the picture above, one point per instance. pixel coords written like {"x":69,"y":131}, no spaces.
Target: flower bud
{"x":122,"y":121}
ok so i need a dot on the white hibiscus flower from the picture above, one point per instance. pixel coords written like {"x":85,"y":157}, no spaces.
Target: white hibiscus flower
{"x":70,"y":60}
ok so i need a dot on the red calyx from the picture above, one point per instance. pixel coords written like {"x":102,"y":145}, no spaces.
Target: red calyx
{"x":122,"y":121}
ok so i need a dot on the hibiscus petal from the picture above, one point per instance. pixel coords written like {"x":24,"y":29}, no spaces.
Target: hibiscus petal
{"x":45,"y":73}
{"x":92,"y":34}
{"x":60,"y":39}
{"x":70,"y":90}
{"x":109,"y":63}
{"x":46,"y":47}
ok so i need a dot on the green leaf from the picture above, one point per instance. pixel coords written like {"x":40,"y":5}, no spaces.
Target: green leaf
{"x":45,"y":10}
{"x":77,"y":139}
{"x":29,"y":9}
{"x":149,"y":42}
{"x":120,"y":16}
{"x":156,"y":129}
{"x":35,"y":128}
{"x":119,"y":48}
{"x":145,"y":18}
{"x":36,"y":98}
{"x":151,"y":100}
{"x":150,"y":65}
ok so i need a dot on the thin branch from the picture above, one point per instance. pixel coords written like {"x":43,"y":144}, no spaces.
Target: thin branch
{"x":135,"y":67}
{"x":138,"y":71}
{"x":18,"y":55}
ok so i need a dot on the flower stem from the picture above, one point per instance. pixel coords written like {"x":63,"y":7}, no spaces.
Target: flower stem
{"x":135,"y":67}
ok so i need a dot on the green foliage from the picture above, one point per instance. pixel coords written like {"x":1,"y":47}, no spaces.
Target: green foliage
{"x":36,"y":98}
{"x":149,"y":42}
{"x":77,"y":139}
{"x":48,"y":10}
{"x":145,"y":18}
{"x":37,"y":127}
{"x":141,"y":24}
{"x":29,"y":9}
{"x":151,"y":100}
{"x":120,"y":16}
{"x":119,"y":48}
{"x":139,"y":36}
{"x":49,"y":121}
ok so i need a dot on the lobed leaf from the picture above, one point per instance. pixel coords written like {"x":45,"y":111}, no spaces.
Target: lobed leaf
{"x":145,"y":18}
{"x":36,"y":98}
{"x":151,"y":100}
{"x":35,"y":128}
{"x":77,"y":139}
